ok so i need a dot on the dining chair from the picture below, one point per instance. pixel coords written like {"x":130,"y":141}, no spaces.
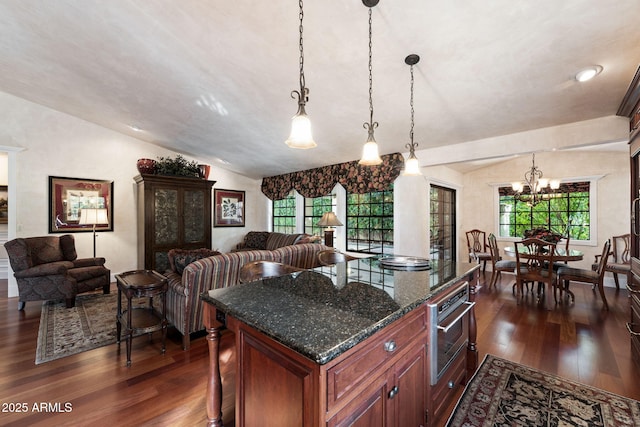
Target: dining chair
{"x":559,"y":264}
{"x":257,"y":270}
{"x":332,"y":256}
{"x":478,"y":247}
{"x":498,"y":265}
{"x":596,"y":278}
{"x":621,"y":258}
{"x":534,"y":262}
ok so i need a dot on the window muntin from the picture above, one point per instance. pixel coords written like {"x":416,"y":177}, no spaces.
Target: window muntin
{"x":284,"y":214}
{"x":313,"y":210}
{"x":370,"y":222}
{"x":568,"y":211}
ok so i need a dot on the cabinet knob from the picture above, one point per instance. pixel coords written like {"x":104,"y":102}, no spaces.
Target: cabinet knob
{"x":393,"y":392}
{"x":390,"y":346}
{"x":451,"y":384}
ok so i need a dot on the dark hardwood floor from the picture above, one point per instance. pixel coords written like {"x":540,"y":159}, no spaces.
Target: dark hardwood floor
{"x":579,"y":341}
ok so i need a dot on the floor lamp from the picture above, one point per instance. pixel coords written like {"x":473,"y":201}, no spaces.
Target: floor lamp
{"x":93,"y":217}
{"x":329,"y":219}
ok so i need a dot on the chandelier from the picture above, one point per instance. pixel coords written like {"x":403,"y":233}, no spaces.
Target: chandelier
{"x":538,"y":189}
{"x":300,"y":136}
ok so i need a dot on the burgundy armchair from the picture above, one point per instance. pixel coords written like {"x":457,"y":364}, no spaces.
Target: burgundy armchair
{"x":48,"y":268}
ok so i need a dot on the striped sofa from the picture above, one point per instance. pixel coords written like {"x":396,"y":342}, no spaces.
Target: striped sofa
{"x":270,"y":240}
{"x":184,"y":307}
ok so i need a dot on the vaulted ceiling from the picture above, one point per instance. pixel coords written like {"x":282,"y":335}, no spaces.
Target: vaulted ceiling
{"x":212,"y":79}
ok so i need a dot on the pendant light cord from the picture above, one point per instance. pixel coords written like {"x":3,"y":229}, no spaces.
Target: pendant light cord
{"x":301,"y":48}
{"x":412,"y":111}
{"x":371,"y":125}
{"x":370,"y":70}
{"x":411,"y":60}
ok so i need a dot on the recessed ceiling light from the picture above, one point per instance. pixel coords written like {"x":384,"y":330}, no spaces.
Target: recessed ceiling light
{"x":588,"y":73}
{"x":135,"y":128}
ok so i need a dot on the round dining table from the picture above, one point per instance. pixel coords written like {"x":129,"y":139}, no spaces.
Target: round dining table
{"x":561,"y":254}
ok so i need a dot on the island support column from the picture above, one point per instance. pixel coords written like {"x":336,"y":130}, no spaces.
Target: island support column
{"x":214,"y":382}
{"x":472,"y":349}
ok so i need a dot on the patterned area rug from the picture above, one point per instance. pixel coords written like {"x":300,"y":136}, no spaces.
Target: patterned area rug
{"x":504,"y":393}
{"x":66,"y":331}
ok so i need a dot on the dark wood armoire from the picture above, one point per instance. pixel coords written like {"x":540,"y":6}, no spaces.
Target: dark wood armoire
{"x":173,"y":212}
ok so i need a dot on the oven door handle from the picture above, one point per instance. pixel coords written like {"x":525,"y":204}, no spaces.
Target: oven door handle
{"x":458,"y":313}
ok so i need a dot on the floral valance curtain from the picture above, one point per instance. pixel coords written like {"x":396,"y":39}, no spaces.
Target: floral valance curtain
{"x":320,"y":181}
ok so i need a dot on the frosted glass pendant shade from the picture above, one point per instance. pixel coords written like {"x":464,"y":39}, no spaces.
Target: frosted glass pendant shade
{"x":412,"y":167}
{"x":370,"y":156}
{"x":300,"y":136}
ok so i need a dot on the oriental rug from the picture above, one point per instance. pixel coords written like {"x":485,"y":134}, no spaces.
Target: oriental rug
{"x":67,"y":331}
{"x":504,"y":393}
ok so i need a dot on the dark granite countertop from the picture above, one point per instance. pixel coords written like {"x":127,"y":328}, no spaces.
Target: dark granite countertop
{"x":323,"y":312}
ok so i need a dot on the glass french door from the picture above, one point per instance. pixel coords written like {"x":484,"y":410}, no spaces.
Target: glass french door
{"x":442,"y":222}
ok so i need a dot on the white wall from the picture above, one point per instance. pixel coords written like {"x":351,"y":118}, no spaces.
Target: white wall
{"x":56,"y":144}
{"x":411,"y":225}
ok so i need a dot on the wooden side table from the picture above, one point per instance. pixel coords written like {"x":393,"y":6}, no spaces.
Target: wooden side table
{"x":141,"y":319}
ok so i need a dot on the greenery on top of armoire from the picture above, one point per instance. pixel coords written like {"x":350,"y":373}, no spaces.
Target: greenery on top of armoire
{"x":178,"y":166}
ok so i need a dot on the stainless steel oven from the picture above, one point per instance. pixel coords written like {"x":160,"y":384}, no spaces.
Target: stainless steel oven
{"x":449,"y":328}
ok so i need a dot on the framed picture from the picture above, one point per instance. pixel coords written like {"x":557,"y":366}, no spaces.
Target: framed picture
{"x":77,"y":205}
{"x":4,"y":204}
{"x":229,"y":208}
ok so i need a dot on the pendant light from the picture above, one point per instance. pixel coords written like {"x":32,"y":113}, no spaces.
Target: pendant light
{"x":370,"y":156}
{"x":300,"y":136}
{"x":411,"y":166}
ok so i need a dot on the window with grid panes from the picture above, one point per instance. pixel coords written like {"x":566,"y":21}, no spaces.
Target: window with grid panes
{"x":370,"y":222}
{"x":284,"y":214}
{"x":568,"y":211}
{"x":313,"y":210}
{"x":442,"y":217}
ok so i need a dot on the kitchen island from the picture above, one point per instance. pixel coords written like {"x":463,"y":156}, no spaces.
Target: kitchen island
{"x":350,"y":344}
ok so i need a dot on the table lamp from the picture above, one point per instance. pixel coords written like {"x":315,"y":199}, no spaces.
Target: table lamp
{"x":329,"y":219}
{"x":93,"y":217}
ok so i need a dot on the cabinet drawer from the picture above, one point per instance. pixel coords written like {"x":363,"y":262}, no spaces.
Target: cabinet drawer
{"x":348,"y":374}
{"x":447,"y":388}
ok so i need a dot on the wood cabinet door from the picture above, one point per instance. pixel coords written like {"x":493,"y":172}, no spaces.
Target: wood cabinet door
{"x":275,"y":386}
{"x":394,"y":399}
{"x":410,"y":380}
{"x":369,"y":409}
{"x":195,"y":212}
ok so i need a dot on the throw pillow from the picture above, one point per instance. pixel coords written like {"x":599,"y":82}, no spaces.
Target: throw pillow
{"x":306,"y":238}
{"x":256,"y":239}
{"x":180,"y":258}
